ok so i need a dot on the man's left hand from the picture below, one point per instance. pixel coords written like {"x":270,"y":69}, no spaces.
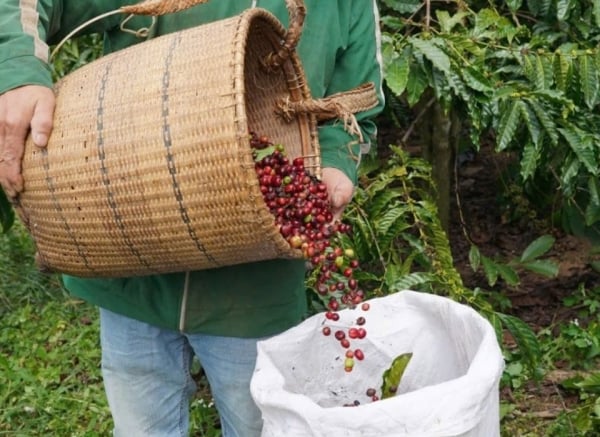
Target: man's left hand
{"x":339,"y":188}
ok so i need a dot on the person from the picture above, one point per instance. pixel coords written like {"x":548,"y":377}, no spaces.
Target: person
{"x":153,"y":326}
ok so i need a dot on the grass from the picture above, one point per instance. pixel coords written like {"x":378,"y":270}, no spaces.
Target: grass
{"x":51,"y":382}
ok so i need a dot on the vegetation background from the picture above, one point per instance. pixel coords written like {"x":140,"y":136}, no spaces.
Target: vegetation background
{"x":484,"y":185}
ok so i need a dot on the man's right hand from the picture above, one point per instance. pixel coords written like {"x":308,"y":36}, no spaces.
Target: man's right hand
{"x":26,"y":109}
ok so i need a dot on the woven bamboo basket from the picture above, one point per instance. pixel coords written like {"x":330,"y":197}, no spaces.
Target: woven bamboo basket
{"x":148,"y":169}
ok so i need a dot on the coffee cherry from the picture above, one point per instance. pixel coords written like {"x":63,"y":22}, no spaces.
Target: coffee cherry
{"x":340,"y":335}
{"x":300,"y":207}
{"x":353,"y":333}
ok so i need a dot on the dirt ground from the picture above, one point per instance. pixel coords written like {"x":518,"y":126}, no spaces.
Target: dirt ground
{"x":477,"y":212}
{"x":537,"y":300}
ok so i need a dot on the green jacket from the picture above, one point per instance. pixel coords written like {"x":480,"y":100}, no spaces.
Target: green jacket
{"x":339,"y":50}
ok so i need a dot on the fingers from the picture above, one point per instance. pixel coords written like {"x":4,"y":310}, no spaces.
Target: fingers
{"x":340,"y":190}
{"x":21,"y":110}
{"x":12,"y":137}
{"x":41,"y":122}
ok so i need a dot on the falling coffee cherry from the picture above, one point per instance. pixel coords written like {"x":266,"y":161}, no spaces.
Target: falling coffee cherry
{"x":300,"y":206}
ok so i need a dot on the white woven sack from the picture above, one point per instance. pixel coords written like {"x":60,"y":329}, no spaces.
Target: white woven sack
{"x":450,"y":387}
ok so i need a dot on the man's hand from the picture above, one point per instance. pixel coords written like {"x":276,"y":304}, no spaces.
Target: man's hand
{"x":24,"y":109}
{"x":339,"y":188}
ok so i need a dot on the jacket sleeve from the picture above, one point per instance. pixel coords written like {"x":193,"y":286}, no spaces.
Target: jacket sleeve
{"x":24,"y":27}
{"x":358,"y":64}
{"x":27,"y":27}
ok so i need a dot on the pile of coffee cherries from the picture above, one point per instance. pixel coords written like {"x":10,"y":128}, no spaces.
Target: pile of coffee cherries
{"x":300,"y":205}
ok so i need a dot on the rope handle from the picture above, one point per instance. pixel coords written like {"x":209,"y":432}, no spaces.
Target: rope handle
{"x":341,"y":105}
{"x":159,"y":7}
{"x":296,"y":11}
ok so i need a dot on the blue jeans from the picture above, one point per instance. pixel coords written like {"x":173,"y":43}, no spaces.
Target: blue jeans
{"x":146,"y":373}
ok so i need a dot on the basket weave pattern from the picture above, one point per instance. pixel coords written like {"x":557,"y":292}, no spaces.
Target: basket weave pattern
{"x":148,"y":169}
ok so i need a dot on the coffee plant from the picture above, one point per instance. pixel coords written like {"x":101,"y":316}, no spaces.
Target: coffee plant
{"x":398,"y":236}
{"x":521,"y":74}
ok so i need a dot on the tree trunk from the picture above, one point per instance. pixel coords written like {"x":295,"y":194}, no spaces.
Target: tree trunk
{"x":439,"y":136}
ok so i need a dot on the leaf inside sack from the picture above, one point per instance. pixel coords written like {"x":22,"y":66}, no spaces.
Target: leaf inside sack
{"x":393,"y":375}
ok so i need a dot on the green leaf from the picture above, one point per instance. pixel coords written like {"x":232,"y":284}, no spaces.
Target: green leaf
{"x":396,"y":75}
{"x":411,"y":281}
{"x":538,"y":70}
{"x":362,"y":236}
{"x":596,"y":12}
{"x":543,"y":267}
{"x":537,"y":248}
{"x":485,"y":19}
{"x":7,"y":215}
{"x":497,"y":325}
{"x":529,"y":160}
{"x":589,"y":80}
{"x":533,"y":125}
{"x":554,"y":97}
{"x":417,"y":83}
{"x":474,"y":257}
{"x":393,"y":375}
{"x":524,"y":337}
{"x":383,"y":223}
{"x":514,"y":5}
{"x":509,"y":122}
{"x":583,"y":147}
{"x":490,"y":269}
{"x":593,"y":189}
{"x":592,"y":213}
{"x":387,"y":240}
{"x":394,"y":23}
{"x":448,"y":22}
{"x":539,"y":8}
{"x":562,"y":9}
{"x":544,"y":66}
{"x":260,"y":154}
{"x":508,"y":274}
{"x":569,"y":173}
{"x":562,"y":71}
{"x":438,"y":58}
{"x":403,"y":6}
{"x":590,"y":383}
{"x":382,"y":201}
{"x":474,"y":78}
{"x":547,"y":122}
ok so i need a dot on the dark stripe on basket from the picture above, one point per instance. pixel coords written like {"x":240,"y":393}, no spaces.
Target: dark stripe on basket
{"x":104,"y":171}
{"x":59,"y":210}
{"x":169,"y":156}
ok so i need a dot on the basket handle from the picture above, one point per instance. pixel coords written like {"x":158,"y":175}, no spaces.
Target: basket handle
{"x":159,"y":7}
{"x":341,"y":105}
{"x":146,"y":7}
{"x":297,"y":13}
